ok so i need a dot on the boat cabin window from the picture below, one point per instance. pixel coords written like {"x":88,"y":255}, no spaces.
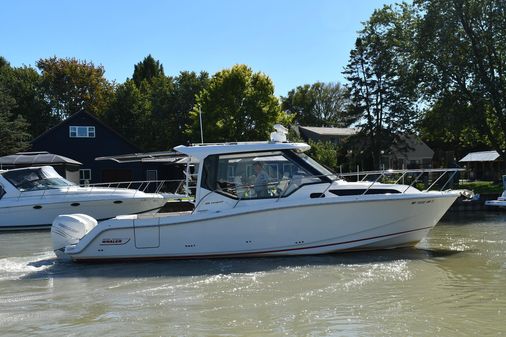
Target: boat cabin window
{"x":2,"y":191}
{"x":34,"y":179}
{"x":256,"y":175}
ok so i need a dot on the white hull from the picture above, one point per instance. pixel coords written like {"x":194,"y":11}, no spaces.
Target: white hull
{"x":40,"y":212}
{"x":499,"y":202}
{"x":317,"y":226}
{"x":496,"y":203}
{"x":31,"y":198}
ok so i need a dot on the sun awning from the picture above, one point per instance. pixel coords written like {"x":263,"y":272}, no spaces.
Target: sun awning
{"x":480,"y":156}
{"x":36,"y":158}
{"x":150,"y":157}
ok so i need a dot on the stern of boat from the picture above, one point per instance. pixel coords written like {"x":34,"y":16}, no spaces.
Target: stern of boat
{"x":68,"y":229}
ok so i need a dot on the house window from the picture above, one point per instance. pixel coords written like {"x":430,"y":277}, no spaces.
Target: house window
{"x":82,"y":131}
{"x":84,"y":177}
{"x":151,"y":175}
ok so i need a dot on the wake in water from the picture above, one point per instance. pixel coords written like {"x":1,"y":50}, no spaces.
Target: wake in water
{"x":13,"y":268}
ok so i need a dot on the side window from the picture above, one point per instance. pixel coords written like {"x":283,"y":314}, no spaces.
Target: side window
{"x":2,"y":191}
{"x":254,"y":175}
{"x":209,"y":173}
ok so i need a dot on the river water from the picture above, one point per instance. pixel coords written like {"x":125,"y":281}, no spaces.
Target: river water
{"x":454,"y":284}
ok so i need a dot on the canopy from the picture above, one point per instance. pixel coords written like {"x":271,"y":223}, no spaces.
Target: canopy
{"x":149,"y":157}
{"x":36,"y":158}
{"x":480,"y":156}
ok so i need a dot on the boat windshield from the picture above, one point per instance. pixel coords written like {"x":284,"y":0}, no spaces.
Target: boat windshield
{"x":257,"y":175}
{"x":34,"y":179}
{"x":320,"y":168}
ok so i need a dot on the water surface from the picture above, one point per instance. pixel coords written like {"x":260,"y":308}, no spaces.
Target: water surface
{"x":454,"y":284}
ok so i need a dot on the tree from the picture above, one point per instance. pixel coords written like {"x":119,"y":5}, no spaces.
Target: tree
{"x":382,"y":80}
{"x":156,"y":106}
{"x":14,"y":134}
{"x":461,"y":47}
{"x":451,"y":124}
{"x":23,"y":84}
{"x":319,"y":104}
{"x":71,"y":86}
{"x":187,"y":86}
{"x":146,"y":70}
{"x":130,"y":115}
{"x":172,"y":101}
{"x":325,"y":153}
{"x":237,"y":105}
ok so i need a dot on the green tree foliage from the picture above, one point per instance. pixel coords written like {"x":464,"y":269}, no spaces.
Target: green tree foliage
{"x":23,"y":84}
{"x":186,"y":88}
{"x":13,"y":129}
{"x":147,"y":70}
{"x":152,"y":109}
{"x":325,"y":153}
{"x":382,"y":79}
{"x":237,"y":105}
{"x":3,"y":62}
{"x":154,"y":115}
{"x":172,"y":99}
{"x":319,"y":104}
{"x":70,"y":86}
{"x":461,"y":49}
{"x":451,"y":124}
{"x":130,"y":114}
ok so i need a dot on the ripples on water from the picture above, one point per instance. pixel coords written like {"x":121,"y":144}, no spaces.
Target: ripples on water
{"x":454,"y":284}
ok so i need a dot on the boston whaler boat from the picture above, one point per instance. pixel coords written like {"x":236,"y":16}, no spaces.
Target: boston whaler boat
{"x":262,"y":199}
{"x":33,"y":197}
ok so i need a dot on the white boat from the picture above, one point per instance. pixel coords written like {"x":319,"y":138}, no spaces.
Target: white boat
{"x":302,"y":209}
{"x":31,"y":198}
{"x":500,"y":201}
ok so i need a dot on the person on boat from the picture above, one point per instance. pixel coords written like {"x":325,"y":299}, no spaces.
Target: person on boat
{"x":261,"y":181}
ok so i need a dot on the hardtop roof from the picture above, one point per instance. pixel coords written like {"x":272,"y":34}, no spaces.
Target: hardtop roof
{"x":201,"y":151}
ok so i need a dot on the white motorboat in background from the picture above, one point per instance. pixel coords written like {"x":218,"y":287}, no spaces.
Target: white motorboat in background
{"x":500,"y":201}
{"x":33,"y":197}
{"x":298,"y":208}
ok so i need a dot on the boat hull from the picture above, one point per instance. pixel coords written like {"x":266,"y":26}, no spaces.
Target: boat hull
{"x":40,"y":213}
{"x":496,"y":203}
{"x":318,"y":226}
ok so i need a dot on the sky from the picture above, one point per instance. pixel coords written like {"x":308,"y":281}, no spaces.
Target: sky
{"x":294,"y":42}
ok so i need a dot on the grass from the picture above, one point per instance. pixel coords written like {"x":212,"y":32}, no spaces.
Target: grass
{"x":481,"y":187}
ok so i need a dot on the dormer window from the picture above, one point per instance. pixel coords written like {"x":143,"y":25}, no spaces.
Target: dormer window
{"x":82,"y":131}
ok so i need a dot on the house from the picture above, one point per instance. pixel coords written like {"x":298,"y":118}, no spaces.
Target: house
{"x":483,"y":165}
{"x":408,"y":152}
{"x":83,"y":137}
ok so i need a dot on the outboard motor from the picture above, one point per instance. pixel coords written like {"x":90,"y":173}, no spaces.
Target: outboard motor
{"x":68,"y":229}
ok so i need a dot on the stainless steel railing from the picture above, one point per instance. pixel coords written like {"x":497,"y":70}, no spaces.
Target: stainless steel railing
{"x":428,"y":177}
{"x":176,"y":187}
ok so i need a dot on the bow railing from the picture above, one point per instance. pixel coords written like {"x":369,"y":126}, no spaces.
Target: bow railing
{"x":423,"y":179}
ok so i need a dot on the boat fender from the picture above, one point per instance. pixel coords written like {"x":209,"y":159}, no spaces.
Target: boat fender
{"x":68,"y":229}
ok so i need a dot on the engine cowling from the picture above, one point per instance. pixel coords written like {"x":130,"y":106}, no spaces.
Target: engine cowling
{"x":68,"y":229}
